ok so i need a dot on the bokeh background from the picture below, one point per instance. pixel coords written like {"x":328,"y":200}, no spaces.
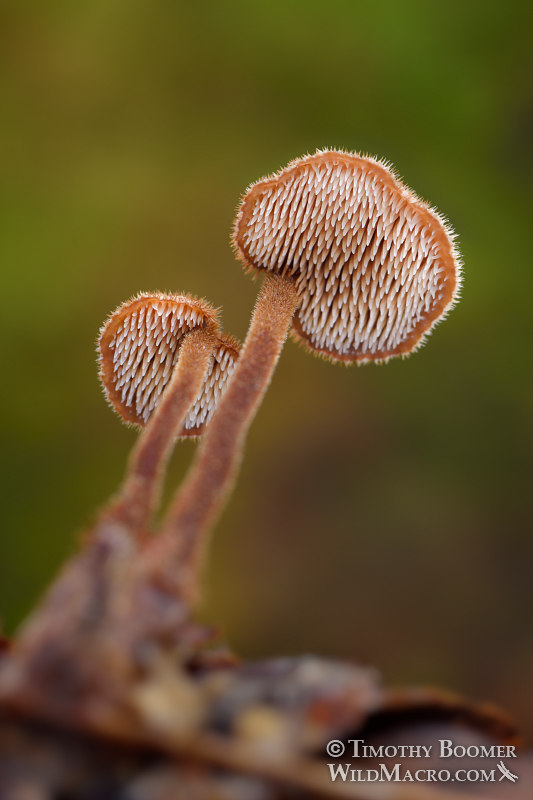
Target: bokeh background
{"x":383,"y":513}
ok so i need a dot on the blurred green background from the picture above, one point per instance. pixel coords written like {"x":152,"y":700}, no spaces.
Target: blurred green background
{"x":383,"y":513}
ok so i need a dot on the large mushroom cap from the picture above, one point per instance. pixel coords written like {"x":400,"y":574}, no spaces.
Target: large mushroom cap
{"x":375,"y":266}
{"x":222,"y":366}
{"x":139,"y":347}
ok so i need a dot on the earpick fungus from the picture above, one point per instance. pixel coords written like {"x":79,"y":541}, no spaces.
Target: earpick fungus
{"x":139,"y":346}
{"x":373,"y":265}
{"x":355,"y":262}
{"x":163,"y":366}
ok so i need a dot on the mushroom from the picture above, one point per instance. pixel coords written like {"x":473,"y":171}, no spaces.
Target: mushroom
{"x":162,"y":367}
{"x":358,"y":265}
{"x":373,"y":265}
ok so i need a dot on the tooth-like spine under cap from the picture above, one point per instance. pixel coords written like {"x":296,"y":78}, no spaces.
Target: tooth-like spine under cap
{"x":138,"y":348}
{"x":375,"y":266}
{"x":222,"y":367}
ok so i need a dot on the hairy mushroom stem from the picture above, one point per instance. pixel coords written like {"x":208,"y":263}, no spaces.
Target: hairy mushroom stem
{"x":163,"y":366}
{"x":138,"y":496}
{"x":177,"y":553}
{"x":80,"y":601}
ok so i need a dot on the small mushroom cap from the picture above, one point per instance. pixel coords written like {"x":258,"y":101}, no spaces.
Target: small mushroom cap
{"x":139,"y":346}
{"x":375,"y":266}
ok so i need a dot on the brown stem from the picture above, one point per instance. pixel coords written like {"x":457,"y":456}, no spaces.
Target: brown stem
{"x":177,"y":552}
{"x":80,"y":600}
{"x":139,"y":493}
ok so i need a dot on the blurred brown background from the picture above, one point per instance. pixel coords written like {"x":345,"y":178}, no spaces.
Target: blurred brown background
{"x":383,"y":513}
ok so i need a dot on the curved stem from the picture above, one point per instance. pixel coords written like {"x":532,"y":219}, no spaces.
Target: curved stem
{"x":139,"y":493}
{"x":83,"y":599}
{"x":177,"y":553}
{"x":81,"y":595}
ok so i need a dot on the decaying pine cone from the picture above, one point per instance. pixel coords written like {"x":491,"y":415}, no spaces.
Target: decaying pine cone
{"x":214,"y":729}
{"x":105,"y":699}
{"x":111,"y":695}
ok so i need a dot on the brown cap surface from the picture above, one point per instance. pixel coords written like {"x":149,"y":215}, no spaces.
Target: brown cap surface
{"x":375,"y":266}
{"x":139,"y":347}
